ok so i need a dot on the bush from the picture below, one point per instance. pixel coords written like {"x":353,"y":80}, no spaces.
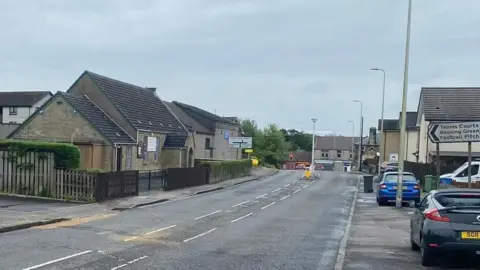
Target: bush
{"x":228,"y":169}
{"x":67,"y":156}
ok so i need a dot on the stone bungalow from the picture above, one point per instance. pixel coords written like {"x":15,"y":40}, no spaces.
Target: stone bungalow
{"x":116,"y":125}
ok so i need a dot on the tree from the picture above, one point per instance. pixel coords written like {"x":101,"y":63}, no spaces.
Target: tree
{"x":269,"y":144}
{"x":298,"y":140}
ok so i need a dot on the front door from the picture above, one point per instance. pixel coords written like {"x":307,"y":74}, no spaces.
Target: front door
{"x":119,"y":158}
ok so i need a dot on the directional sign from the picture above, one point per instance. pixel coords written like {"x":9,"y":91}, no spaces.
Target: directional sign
{"x":240,"y":142}
{"x":454,"y":132}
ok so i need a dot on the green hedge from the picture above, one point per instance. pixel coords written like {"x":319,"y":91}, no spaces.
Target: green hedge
{"x":228,"y":169}
{"x":67,"y":156}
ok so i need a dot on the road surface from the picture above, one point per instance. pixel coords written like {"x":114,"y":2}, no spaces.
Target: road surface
{"x":280,"y":222}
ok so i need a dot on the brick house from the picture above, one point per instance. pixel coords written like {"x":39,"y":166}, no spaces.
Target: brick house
{"x":211,"y":131}
{"x":115,"y":124}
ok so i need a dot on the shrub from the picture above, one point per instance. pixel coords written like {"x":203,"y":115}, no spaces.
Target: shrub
{"x":228,"y":169}
{"x":67,"y":156}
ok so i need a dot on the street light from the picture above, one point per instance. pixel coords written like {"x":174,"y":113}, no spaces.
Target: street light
{"x":398,"y":201}
{"x":312,"y":165}
{"x":361,"y":135}
{"x":353,"y":136}
{"x":380,"y":157}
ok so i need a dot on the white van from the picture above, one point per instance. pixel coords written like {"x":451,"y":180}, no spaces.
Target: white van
{"x":461,"y":173}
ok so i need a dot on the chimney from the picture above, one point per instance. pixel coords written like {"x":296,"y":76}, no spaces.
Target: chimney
{"x":372,"y":137}
{"x":153,"y":89}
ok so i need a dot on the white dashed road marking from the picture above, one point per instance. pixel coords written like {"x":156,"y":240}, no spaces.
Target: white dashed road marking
{"x":287,"y":185}
{"x":200,"y":235}
{"x":261,"y":196}
{"x":276,"y":190}
{"x":240,"y":218}
{"x":159,"y":230}
{"x":268,"y":205}
{"x":241,"y":203}
{"x":130,"y":262}
{"x":283,"y":198}
{"x":58,"y":260}
{"x":296,"y":191}
{"x":213,"y":213}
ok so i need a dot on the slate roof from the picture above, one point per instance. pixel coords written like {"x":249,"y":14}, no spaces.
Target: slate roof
{"x":98,"y":119}
{"x":333,"y":143}
{"x":140,"y":105}
{"x":175,"y":140}
{"x":394,"y":124}
{"x":450,"y":104}
{"x":22,"y":99}
{"x":301,"y":156}
{"x":205,"y":118}
{"x":191,"y":123}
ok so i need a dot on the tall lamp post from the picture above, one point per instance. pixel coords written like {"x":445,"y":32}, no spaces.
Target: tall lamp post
{"x":361,"y":135}
{"x":353,"y":137}
{"x":312,"y":165}
{"x":398,"y":201}
{"x":380,"y":157}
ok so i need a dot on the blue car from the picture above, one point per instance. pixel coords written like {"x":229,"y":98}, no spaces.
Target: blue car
{"x":387,"y":188}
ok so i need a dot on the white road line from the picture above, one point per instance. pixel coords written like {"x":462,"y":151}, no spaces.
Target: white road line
{"x":241,"y":203}
{"x":213,"y":213}
{"x":235,"y":220}
{"x":298,"y":190}
{"x":200,"y":235}
{"x":261,"y":196}
{"x":276,"y":190}
{"x":287,"y":185}
{"x":57,"y":260}
{"x":283,"y":198}
{"x":306,"y":186}
{"x":268,"y":205}
{"x":130,"y":262}
{"x":159,"y":230}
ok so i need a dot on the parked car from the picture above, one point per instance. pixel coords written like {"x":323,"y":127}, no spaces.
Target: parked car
{"x":446,"y":221}
{"x":389,"y":167}
{"x":386,"y":187}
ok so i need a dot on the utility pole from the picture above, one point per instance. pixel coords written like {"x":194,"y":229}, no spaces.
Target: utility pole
{"x":312,"y":165}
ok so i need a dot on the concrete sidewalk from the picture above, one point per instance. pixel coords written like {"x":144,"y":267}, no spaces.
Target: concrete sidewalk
{"x":159,"y":196}
{"x":22,"y":213}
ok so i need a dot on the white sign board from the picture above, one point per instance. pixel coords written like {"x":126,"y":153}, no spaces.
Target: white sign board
{"x":240,"y":142}
{"x":151,"y":144}
{"x":393,"y":157}
{"x":454,"y":132}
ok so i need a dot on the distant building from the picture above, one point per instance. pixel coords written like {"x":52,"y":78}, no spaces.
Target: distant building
{"x":334,"y":148}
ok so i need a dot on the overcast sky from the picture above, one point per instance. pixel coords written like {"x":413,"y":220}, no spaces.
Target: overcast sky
{"x":275,"y":61}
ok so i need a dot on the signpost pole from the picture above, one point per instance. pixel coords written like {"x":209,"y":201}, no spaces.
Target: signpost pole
{"x":469,"y":164}
{"x":437,"y":161}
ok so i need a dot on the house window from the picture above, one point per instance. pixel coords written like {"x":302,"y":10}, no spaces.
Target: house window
{"x":145,"y":152}
{"x":324,"y":154}
{"x":128,"y":158}
{"x":351,"y":155}
{"x":207,"y":143}
{"x":13,"y":110}
{"x":339,"y":153}
{"x":157,"y":152}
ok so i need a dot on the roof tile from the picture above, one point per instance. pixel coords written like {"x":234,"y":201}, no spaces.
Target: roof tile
{"x":21,"y":99}
{"x":450,"y":104}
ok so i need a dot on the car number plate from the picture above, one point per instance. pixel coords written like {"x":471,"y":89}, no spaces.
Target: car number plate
{"x":404,"y":188}
{"x":471,"y":235}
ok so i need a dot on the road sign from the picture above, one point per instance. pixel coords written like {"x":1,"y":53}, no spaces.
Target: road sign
{"x":240,"y":142}
{"x":454,"y":132}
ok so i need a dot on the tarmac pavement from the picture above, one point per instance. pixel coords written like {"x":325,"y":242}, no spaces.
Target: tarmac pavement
{"x":380,"y":239}
{"x":279,"y":222}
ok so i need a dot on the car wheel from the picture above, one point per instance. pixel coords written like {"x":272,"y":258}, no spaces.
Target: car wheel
{"x":413,"y":245}
{"x":428,"y":258}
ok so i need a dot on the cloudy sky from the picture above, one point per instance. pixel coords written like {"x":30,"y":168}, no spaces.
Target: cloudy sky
{"x":275,"y":61}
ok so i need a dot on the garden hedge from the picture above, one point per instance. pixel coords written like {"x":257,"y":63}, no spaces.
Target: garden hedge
{"x":228,"y":169}
{"x":67,"y":156}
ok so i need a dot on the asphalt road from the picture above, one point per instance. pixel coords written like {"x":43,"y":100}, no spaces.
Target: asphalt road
{"x":280,"y":222}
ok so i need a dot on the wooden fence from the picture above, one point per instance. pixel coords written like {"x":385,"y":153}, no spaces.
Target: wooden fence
{"x":34,"y":174}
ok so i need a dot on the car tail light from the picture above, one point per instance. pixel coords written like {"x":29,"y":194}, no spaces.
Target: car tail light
{"x":433,"y":214}
{"x":417,"y":187}
{"x":383,"y":186}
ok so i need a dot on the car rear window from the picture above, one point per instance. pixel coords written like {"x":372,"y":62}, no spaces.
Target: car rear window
{"x":393,"y":177}
{"x":466,"y":199}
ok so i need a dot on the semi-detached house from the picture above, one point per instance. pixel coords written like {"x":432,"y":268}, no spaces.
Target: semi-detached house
{"x":116,"y":125}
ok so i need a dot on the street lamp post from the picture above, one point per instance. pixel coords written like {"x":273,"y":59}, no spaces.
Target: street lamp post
{"x":361,"y":135}
{"x":380,"y":157}
{"x":398,"y":201}
{"x":353,"y":136}
{"x":312,"y":165}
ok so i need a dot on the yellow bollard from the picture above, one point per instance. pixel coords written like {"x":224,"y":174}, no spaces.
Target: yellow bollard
{"x":308,"y":174}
